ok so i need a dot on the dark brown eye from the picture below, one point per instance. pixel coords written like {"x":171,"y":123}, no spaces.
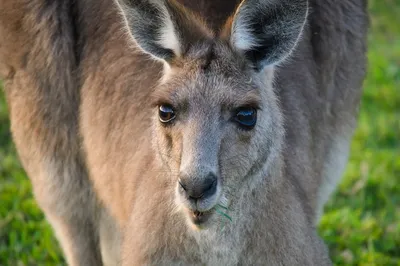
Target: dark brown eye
{"x":246,"y":117}
{"x":166,"y":113}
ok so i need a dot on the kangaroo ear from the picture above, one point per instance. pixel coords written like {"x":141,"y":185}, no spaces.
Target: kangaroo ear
{"x":163,"y":28}
{"x":266,"y":31}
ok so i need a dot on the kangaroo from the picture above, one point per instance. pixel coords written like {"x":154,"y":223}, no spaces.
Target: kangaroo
{"x":191,"y":132}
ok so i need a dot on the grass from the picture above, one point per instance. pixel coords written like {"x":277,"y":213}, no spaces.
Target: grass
{"x":361,"y":224}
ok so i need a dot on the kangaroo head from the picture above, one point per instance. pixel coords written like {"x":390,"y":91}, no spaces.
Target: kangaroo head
{"x":217,"y":125}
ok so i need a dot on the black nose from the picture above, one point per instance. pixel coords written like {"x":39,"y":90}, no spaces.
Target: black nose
{"x":198,"y":188}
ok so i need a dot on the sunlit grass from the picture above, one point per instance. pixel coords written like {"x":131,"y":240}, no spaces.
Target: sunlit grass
{"x":362,"y":222}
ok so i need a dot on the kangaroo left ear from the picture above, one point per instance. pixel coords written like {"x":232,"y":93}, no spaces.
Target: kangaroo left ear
{"x":267,"y":31}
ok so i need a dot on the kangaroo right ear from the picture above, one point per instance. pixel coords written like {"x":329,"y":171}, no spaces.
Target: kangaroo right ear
{"x":163,"y":28}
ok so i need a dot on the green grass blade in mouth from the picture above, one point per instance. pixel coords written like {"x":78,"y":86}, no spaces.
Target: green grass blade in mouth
{"x":224,"y":214}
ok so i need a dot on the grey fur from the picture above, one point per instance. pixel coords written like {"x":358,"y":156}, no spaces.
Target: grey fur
{"x":104,"y":171}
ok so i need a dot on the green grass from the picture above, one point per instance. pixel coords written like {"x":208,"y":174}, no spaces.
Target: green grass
{"x":361,"y":224}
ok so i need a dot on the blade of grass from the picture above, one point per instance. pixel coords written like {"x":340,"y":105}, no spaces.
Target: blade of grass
{"x":224,"y":214}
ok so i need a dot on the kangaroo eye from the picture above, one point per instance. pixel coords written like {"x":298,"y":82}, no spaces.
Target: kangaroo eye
{"x":246,"y":117}
{"x":166,"y":113}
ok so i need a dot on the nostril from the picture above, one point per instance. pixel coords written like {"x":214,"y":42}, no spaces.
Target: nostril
{"x":210,"y":186}
{"x":181,"y":184}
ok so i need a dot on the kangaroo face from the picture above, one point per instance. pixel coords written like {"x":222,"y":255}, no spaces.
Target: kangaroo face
{"x":217,"y":125}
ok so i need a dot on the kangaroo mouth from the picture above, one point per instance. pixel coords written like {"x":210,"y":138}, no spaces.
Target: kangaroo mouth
{"x":200,"y":218}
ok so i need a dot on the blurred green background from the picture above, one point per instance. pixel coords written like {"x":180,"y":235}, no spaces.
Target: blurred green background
{"x":361,"y":224}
